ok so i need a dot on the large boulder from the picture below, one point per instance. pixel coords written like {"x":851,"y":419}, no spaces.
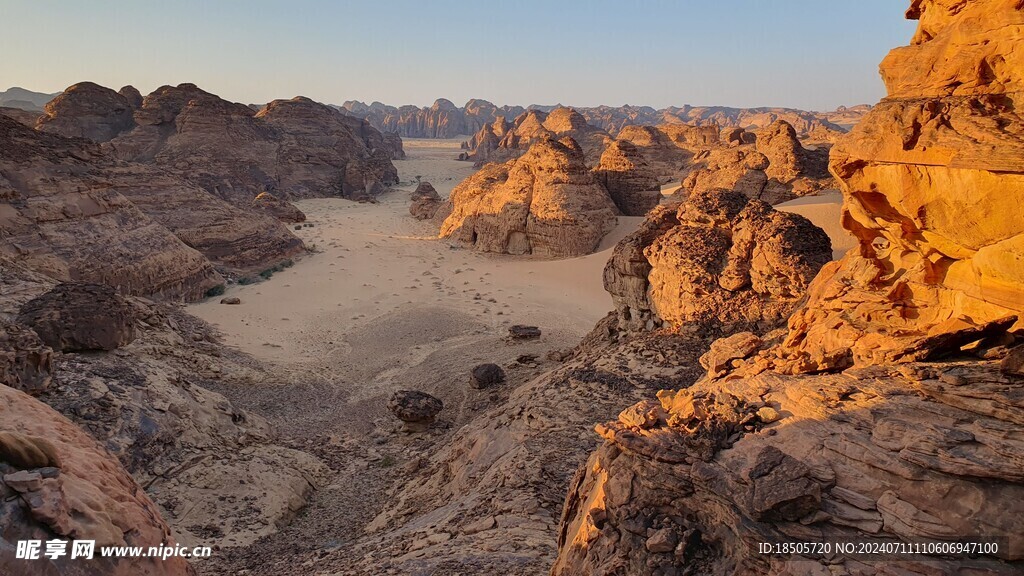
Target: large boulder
{"x":425,"y":202}
{"x":416,"y":409}
{"x":78,"y":317}
{"x":58,"y":483}
{"x":632,"y":184}
{"x":717,"y":259}
{"x":545,"y":203}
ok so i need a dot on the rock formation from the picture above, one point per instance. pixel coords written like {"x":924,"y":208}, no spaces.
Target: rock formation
{"x":26,"y":363}
{"x":284,"y":211}
{"x":502,"y":140}
{"x":718,"y":256}
{"x":63,"y":219}
{"x":416,"y":409}
{"x":632,"y":184}
{"x":75,"y":317}
{"x":444,"y":120}
{"x":425,"y":202}
{"x":776,"y":168}
{"x":916,"y":440}
{"x":546,"y":203}
{"x":75,"y":213}
{"x":292,"y":148}
{"x":58,"y":483}
{"x":88,"y":110}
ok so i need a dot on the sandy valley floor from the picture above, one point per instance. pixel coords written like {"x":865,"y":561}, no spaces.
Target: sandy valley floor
{"x":383,"y":305}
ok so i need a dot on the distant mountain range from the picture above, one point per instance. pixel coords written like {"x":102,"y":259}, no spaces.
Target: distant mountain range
{"x":446,"y":120}
{"x":25,"y":99}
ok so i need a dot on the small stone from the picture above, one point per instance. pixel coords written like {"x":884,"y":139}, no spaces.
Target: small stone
{"x":767,"y":414}
{"x":24,"y":481}
{"x":232,"y":300}
{"x":522,"y":332}
{"x":663,"y":540}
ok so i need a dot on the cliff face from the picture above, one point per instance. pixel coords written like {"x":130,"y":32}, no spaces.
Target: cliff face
{"x":65,"y":218}
{"x":441,"y":120}
{"x":912,"y":433}
{"x":292,"y":148}
{"x":545,"y":202}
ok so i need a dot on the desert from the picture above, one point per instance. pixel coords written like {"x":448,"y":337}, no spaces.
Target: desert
{"x":307,"y":335}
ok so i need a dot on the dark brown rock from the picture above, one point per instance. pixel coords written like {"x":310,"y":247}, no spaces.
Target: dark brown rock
{"x":486,"y":375}
{"x":77,"y":317}
{"x":416,"y":409}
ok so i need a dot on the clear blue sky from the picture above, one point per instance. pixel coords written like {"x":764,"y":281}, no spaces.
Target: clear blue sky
{"x":811,"y":54}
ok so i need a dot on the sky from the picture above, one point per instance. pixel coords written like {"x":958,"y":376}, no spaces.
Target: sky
{"x":809,"y":54}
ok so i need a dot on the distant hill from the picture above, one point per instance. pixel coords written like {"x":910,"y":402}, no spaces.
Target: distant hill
{"x":25,"y":99}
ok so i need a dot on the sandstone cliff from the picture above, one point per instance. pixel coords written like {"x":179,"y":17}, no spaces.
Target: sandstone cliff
{"x":293,"y":148}
{"x":88,"y":110}
{"x":75,"y":213}
{"x":885,"y":414}
{"x":545,"y":203}
{"x":62,"y":217}
{"x":441,"y":120}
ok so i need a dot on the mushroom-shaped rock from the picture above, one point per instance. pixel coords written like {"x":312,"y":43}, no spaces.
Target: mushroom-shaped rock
{"x":416,"y":409}
{"x":486,"y":375}
{"x":75,"y":317}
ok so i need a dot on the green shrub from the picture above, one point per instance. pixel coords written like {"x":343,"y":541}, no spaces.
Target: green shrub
{"x":266,"y":274}
{"x":246,"y":281}
{"x":217,"y":290}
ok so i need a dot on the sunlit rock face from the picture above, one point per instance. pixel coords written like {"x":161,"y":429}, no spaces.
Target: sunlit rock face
{"x":890,"y":411}
{"x":933,"y":180}
{"x":545,"y":202}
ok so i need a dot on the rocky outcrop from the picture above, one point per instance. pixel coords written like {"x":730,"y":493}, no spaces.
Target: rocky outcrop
{"x":292,"y":148}
{"x":425,"y":202}
{"x":26,"y":363}
{"x":88,"y":110}
{"x":716,"y":257}
{"x":502,"y":140}
{"x":284,"y":211}
{"x":545,"y":203}
{"x":774,"y":444}
{"x":393,"y":143}
{"x":632,"y":183}
{"x":75,"y":213}
{"x":58,"y":483}
{"x":75,"y":317}
{"x":63,"y":218}
{"x":776,"y":168}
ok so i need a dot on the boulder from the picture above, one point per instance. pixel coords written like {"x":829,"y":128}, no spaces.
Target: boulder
{"x":416,"y":409}
{"x":523,"y":332}
{"x":425,"y":202}
{"x":79,"y":317}
{"x":485,"y":375}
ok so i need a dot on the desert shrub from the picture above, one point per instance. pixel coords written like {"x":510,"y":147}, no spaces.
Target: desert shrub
{"x":217,"y":290}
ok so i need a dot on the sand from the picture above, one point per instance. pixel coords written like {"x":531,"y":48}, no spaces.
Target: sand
{"x":824,"y":211}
